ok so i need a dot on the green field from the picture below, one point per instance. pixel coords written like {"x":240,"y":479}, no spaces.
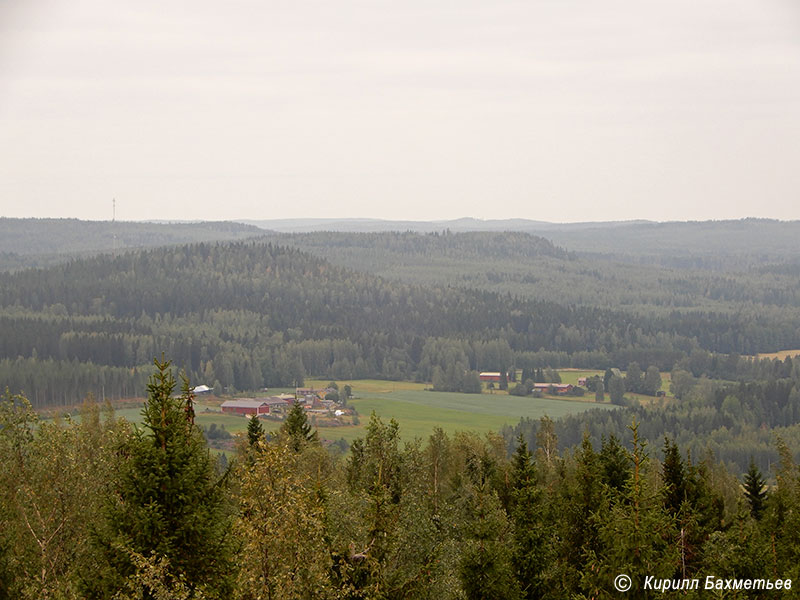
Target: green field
{"x":417,"y":411}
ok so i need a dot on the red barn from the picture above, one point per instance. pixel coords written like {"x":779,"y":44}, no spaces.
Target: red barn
{"x":490,"y":376}
{"x":245,"y":406}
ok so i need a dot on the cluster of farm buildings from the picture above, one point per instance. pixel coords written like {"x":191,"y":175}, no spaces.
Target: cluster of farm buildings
{"x":561,"y":389}
{"x":311,"y":399}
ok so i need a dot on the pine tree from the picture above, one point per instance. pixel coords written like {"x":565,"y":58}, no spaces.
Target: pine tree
{"x":167,"y":505}
{"x":755,"y":490}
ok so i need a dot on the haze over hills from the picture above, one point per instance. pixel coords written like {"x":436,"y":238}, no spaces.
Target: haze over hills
{"x":455,"y":225}
{"x":42,"y":242}
{"x":715,"y":244}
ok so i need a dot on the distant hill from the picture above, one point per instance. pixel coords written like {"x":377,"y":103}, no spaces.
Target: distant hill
{"x":463,"y":224}
{"x":704,"y":244}
{"x":531,"y":266}
{"x":692,"y":243}
{"x":42,"y":242}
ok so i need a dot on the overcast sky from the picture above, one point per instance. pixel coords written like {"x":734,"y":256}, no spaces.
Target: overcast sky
{"x":558,"y":110}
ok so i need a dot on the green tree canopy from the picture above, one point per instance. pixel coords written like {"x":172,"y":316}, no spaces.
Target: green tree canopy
{"x":166,"y":507}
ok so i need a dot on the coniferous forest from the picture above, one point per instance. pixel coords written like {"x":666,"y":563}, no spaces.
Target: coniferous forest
{"x":704,"y":483}
{"x":99,"y":509}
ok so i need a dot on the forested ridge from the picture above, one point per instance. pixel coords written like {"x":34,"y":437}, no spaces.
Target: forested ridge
{"x":713,"y":244}
{"x":26,"y":243}
{"x":243,"y":315}
{"x":530,"y":266}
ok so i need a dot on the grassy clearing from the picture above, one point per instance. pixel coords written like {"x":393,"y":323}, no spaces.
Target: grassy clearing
{"x":572,"y":375}
{"x":418,"y":411}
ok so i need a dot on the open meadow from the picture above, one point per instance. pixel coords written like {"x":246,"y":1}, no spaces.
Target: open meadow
{"x":416,"y":409}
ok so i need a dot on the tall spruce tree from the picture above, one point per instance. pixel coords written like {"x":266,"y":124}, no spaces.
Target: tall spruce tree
{"x":166,"y":508}
{"x":296,"y":426}
{"x":255,"y":432}
{"x":674,"y":475}
{"x":637,"y":535}
{"x":755,"y":490}
{"x":486,"y":567}
{"x":615,"y":463}
{"x":530,"y":548}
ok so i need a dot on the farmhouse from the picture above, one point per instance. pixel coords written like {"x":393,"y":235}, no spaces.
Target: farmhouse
{"x":490,"y":376}
{"x":554,"y":388}
{"x":246,"y":406}
{"x":276,"y":403}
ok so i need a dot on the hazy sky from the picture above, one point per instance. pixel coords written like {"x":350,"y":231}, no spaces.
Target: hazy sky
{"x":559,"y":110}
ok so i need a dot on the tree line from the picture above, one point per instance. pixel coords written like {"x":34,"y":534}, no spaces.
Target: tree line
{"x":99,"y":509}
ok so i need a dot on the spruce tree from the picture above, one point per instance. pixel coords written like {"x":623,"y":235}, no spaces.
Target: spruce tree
{"x":674,"y":475}
{"x":614,"y":462}
{"x":296,"y":426}
{"x":486,"y":566}
{"x":638,"y":535}
{"x":529,"y":554}
{"x":255,"y":432}
{"x":574,"y":512}
{"x":166,"y":507}
{"x":755,"y":490}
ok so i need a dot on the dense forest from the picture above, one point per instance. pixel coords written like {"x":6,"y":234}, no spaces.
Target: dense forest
{"x":97,"y":509}
{"x":245,"y":315}
{"x":525,"y":265}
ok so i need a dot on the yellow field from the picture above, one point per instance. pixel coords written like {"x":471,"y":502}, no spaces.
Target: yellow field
{"x":362,"y":387}
{"x":780,"y":355}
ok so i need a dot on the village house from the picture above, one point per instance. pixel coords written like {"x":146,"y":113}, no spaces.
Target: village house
{"x":561,"y":389}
